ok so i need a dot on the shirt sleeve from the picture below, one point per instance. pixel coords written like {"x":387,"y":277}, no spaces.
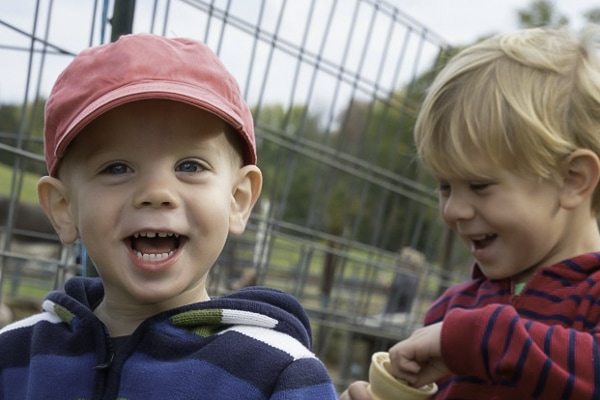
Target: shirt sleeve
{"x":497,"y":345}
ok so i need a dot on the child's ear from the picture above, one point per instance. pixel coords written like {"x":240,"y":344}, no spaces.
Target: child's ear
{"x":54,"y":199}
{"x":244,"y":195}
{"x":581,"y":178}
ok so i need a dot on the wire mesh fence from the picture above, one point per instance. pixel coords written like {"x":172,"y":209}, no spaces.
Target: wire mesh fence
{"x":346,"y":222}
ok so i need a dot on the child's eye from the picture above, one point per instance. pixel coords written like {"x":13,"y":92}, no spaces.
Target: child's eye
{"x":443,"y":186}
{"x":189,"y":166}
{"x":116,"y":169}
{"x":479,"y":186}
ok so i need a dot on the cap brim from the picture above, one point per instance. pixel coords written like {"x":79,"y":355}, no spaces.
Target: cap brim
{"x":175,"y":91}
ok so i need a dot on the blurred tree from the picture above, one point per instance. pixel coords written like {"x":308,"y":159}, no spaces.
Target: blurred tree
{"x":541,"y":13}
{"x":280,"y":135}
{"x":30,"y":121}
{"x":592,"y":15}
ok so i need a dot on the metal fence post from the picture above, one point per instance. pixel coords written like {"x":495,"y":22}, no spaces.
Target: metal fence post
{"x":122,"y":19}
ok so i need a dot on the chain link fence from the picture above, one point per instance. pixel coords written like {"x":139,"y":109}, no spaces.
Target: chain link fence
{"x":346,"y":222}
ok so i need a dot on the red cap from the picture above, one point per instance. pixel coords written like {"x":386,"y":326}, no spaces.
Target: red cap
{"x":138,"y":67}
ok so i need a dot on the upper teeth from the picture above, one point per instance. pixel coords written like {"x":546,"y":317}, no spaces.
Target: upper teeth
{"x":481,"y":237}
{"x":155,"y":234}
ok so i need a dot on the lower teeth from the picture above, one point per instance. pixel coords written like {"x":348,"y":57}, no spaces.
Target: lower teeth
{"x":154,"y":257}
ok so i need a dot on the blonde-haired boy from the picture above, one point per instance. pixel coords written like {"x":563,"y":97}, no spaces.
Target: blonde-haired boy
{"x":511,"y":130}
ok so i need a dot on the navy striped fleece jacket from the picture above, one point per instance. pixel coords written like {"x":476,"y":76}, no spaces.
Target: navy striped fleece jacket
{"x":541,"y":344}
{"x":253,"y":344}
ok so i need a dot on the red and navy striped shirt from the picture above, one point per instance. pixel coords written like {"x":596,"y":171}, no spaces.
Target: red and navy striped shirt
{"x":541,"y":344}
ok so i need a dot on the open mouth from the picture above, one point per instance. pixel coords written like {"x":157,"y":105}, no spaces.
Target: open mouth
{"x":154,"y":246}
{"x":482,"y":241}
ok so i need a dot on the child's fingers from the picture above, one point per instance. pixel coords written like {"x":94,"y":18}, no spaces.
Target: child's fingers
{"x":403,"y":368}
{"x":431,"y":372}
{"x":356,"y":391}
{"x":404,"y":357}
{"x":420,"y":350}
{"x":403,"y":365}
{"x":421,"y":346}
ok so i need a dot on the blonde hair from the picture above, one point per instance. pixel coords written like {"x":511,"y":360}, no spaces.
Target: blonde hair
{"x":522,"y":101}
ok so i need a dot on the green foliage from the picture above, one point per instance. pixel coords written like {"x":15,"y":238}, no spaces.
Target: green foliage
{"x":24,"y":125}
{"x":541,"y":13}
{"x":314,"y":177}
{"x":593,"y":16}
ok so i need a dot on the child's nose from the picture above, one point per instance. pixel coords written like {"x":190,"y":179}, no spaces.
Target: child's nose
{"x":456,"y":207}
{"x":156,"y":190}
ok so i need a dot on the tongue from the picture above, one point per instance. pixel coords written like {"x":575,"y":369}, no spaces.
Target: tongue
{"x":155,"y":245}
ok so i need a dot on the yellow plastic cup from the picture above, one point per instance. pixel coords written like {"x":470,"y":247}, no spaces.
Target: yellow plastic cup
{"x":384,"y":386}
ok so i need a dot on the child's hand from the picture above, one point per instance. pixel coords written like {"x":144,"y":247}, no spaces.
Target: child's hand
{"x":418,"y":359}
{"x":356,"y":391}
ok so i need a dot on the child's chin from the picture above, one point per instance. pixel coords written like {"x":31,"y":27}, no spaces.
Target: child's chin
{"x":492,"y":272}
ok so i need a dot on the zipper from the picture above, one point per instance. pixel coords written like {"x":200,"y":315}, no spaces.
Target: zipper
{"x":104,"y":371}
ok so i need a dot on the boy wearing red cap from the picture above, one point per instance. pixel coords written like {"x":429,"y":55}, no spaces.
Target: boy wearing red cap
{"x":152,"y":163}
{"x":510,"y":129}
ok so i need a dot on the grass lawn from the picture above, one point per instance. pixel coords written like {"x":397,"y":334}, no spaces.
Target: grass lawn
{"x":29,"y":190}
